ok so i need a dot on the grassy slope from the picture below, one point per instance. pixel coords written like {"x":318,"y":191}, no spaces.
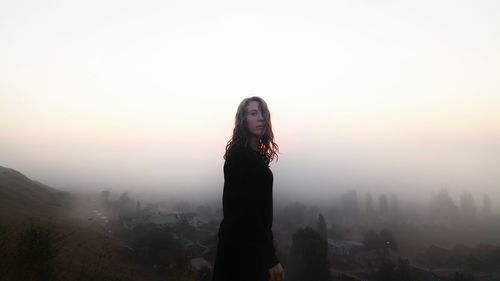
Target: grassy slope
{"x":85,"y":252}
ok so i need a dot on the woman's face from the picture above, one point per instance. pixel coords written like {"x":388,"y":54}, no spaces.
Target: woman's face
{"x":256,"y":123}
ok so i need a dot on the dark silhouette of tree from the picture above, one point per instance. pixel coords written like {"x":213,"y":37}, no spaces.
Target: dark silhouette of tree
{"x":403,"y":271}
{"x":459,"y":276}
{"x":493,"y":259}
{"x":371,"y":241}
{"x":3,"y":236}
{"x":204,"y":274}
{"x":442,"y":209}
{"x":385,"y":271}
{"x":36,"y":252}
{"x":125,"y":207}
{"x":369,"y":205}
{"x":105,"y":195}
{"x":321,"y":227}
{"x":185,"y":230}
{"x":350,"y":205}
{"x":5,"y":256}
{"x":160,"y":247}
{"x":472,"y":262}
{"x":311,"y":215}
{"x":124,"y":199}
{"x":308,"y":259}
{"x":394,"y":205}
{"x":383,"y":205}
{"x":138,"y":209}
{"x":468,"y":207}
{"x":486,"y":210}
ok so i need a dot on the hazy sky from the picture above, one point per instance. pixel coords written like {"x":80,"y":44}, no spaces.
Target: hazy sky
{"x":141,"y":95}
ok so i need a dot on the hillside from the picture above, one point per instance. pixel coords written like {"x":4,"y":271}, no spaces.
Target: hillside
{"x":81,"y":249}
{"x":20,"y":195}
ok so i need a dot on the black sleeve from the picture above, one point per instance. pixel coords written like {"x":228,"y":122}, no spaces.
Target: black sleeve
{"x":270,"y":258}
{"x":243,"y":206}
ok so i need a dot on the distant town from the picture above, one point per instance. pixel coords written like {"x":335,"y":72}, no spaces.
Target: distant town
{"x":361,"y":239}
{"x":49,"y":234}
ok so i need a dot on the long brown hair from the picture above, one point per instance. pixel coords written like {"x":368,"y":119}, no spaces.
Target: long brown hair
{"x":267,"y":147}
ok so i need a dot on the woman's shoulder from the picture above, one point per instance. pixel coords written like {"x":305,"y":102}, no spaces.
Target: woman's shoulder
{"x":238,"y":152}
{"x":237,"y":149}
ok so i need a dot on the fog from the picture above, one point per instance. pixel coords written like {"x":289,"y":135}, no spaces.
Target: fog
{"x":387,"y":115}
{"x":140,"y":97}
{"x":412,"y":168}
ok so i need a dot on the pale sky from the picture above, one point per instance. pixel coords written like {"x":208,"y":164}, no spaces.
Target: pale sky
{"x":141,"y":95}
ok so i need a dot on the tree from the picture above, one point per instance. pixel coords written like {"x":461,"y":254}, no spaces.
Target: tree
{"x":390,"y":272}
{"x":459,"y":276}
{"x":125,"y":207}
{"x":308,"y":259}
{"x":321,"y":227}
{"x":160,"y":246}
{"x":385,"y":271}
{"x":487,"y":213}
{"x":468,"y":208}
{"x":36,"y":251}
{"x":383,"y":205}
{"x":472,"y":262}
{"x":185,"y":230}
{"x":369,"y":205}
{"x":311,"y":215}
{"x":493,"y":259}
{"x":204,"y":274}
{"x":349,"y":204}
{"x":124,"y":199}
{"x":403,"y":271}
{"x":371,"y":240}
{"x":442,"y":209}
{"x":4,"y":257}
{"x":394,"y":205}
{"x":105,"y":194}
{"x":138,"y":209}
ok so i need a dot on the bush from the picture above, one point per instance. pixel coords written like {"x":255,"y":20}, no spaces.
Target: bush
{"x":36,"y":250}
{"x":160,"y":247}
{"x":308,"y":258}
{"x":3,"y":252}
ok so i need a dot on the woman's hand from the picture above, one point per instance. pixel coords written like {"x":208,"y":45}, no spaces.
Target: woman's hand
{"x":276,"y":273}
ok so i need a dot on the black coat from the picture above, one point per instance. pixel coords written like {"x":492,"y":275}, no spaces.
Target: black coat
{"x":245,"y":249}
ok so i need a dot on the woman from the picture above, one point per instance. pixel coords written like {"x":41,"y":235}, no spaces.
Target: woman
{"x":245,"y":250}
